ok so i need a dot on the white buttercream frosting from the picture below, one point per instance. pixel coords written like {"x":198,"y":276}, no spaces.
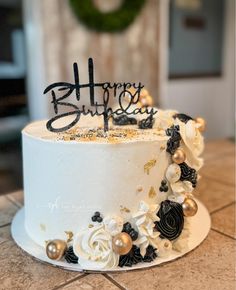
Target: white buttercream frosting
{"x":94,"y":249}
{"x":144,"y":220}
{"x":192,"y":142}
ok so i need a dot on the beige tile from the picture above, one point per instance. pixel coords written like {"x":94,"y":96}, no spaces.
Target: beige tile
{"x":210,"y":266}
{"x":221,"y":169}
{"x":17,"y":197}
{"x":218,"y":148}
{"x":214,"y":194}
{"x":224,"y":220}
{"x":91,"y":282}
{"x":7,"y":210}
{"x":20,"y":271}
{"x":5,"y":233}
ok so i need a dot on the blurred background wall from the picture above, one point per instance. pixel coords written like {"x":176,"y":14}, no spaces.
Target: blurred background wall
{"x":182,"y":50}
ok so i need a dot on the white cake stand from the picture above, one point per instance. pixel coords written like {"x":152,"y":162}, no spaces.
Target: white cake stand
{"x":199,"y":228}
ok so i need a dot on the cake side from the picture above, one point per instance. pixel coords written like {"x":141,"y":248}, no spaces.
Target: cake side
{"x":122,"y":198}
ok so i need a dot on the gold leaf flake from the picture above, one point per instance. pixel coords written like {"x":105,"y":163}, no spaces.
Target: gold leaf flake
{"x":152,"y":193}
{"x":69,"y":235}
{"x":148,"y":166}
{"x":90,"y":226}
{"x":139,"y":188}
{"x":124,"y":209}
{"x":43,"y":227}
{"x":162,"y":147}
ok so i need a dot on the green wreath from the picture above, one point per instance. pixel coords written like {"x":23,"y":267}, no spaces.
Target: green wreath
{"x":114,"y":21}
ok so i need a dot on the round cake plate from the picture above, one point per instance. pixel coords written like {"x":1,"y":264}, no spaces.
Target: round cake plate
{"x":200,"y":225}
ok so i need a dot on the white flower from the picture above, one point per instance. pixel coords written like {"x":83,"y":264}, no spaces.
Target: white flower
{"x":192,"y":142}
{"x":173,"y":173}
{"x":164,"y":119}
{"x":144,"y":221}
{"x":113,"y":224}
{"x":182,"y":187}
{"x":94,"y":249}
{"x":177,"y":197}
{"x":181,"y":243}
{"x":164,"y":247}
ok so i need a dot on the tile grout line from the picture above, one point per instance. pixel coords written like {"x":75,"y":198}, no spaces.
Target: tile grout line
{"x":217,"y":180}
{"x":223,"y":207}
{"x":70,"y":281}
{"x":223,"y":234}
{"x":5,"y":225}
{"x":13,"y":202}
{"x":109,"y":278}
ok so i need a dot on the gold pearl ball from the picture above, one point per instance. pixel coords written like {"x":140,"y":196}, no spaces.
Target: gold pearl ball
{"x":202,"y":124}
{"x":146,"y":101}
{"x":122,"y":243}
{"x":190,"y":207}
{"x":179,"y":156}
{"x":55,"y":249}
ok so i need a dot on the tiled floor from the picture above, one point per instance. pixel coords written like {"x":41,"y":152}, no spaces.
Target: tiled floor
{"x":210,"y":266}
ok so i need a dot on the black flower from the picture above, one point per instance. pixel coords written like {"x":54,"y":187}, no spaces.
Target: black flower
{"x":132,"y":258}
{"x":150,"y":254}
{"x":183,"y":118}
{"x":124,"y":120}
{"x":188,"y":173}
{"x":171,"y":221}
{"x":146,"y":123}
{"x":174,"y":141}
{"x":70,"y":256}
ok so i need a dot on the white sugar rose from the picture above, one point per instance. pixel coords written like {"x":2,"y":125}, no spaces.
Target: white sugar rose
{"x":113,"y":224}
{"x":144,"y":221}
{"x":191,"y":143}
{"x":94,"y":249}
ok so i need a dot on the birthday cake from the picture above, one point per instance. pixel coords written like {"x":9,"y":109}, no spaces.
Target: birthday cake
{"x":105,"y":199}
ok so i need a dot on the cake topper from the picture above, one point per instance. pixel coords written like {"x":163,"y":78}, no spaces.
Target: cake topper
{"x":61,"y":91}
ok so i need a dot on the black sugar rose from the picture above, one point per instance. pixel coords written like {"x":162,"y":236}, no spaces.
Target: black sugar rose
{"x":171,"y":221}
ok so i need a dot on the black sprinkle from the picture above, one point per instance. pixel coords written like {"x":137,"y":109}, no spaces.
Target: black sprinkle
{"x":70,"y":256}
{"x":123,"y":120}
{"x":133,"y":234}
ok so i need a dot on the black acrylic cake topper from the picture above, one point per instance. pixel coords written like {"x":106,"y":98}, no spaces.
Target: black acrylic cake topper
{"x":100,"y":109}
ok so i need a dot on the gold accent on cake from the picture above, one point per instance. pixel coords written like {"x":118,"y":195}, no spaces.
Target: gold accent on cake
{"x":69,"y":235}
{"x":124,"y":209}
{"x":139,"y":188}
{"x":43,"y":227}
{"x":149,"y":165}
{"x":152,"y":193}
{"x":163,"y":147}
{"x":90,"y":226}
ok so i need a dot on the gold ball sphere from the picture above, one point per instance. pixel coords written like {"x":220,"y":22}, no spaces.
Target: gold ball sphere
{"x":202,"y":124}
{"x":55,"y":249}
{"x":190,"y":207}
{"x":146,"y":101}
{"x":122,"y":243}
{"x":179,"y":156}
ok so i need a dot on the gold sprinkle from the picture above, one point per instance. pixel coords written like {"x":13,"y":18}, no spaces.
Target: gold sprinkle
{"x":148,"y":166}
{"x":69,"y":235}
{"x":124,"y":209}
{"x":43,"y":227}
{"x":90,"y":226}
{"x":152,"y":193}
{"x":162,"y":147}
{"x":139,"y":188}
